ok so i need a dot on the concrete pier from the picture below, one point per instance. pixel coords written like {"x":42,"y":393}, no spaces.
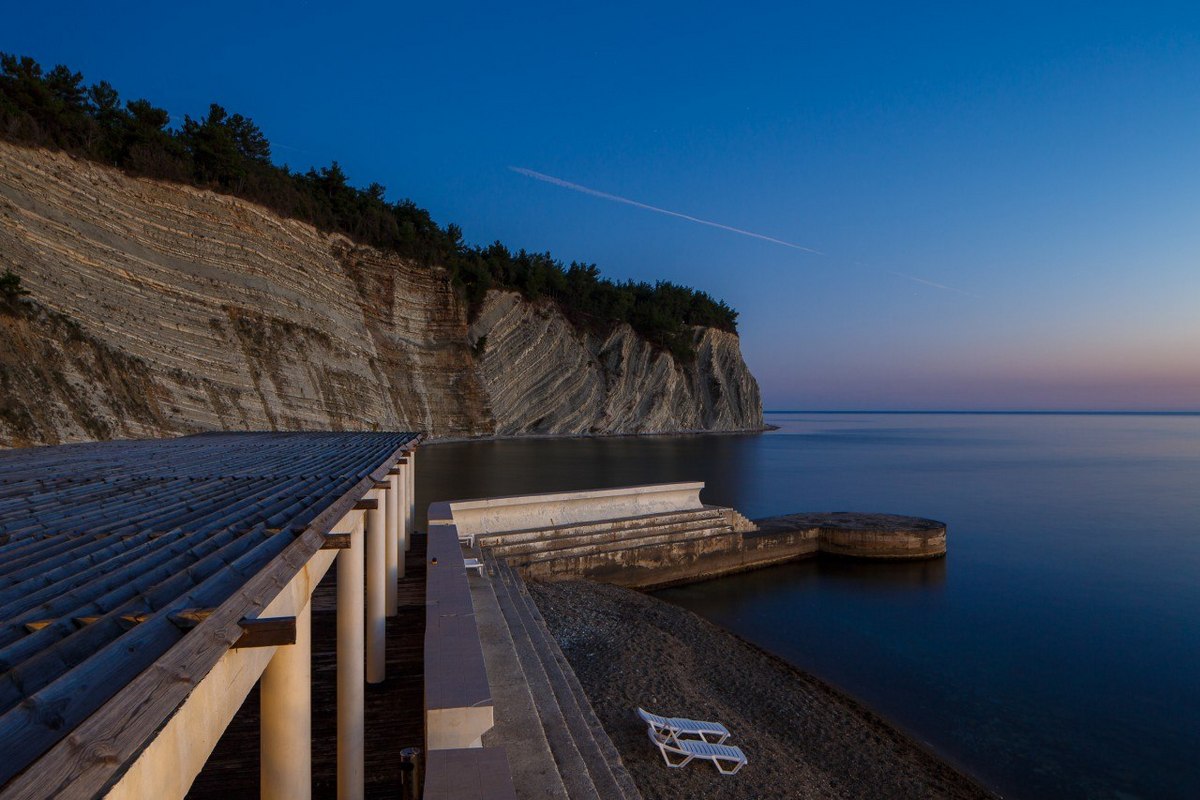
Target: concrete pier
{"x":658,"y":535}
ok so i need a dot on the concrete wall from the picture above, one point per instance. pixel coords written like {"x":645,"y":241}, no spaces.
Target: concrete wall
{"x":861,"y":535}
{"x":883,"y":544}
{"x":660,"y":565}
{"x":496,"y":514}
{"x":458,"y":699}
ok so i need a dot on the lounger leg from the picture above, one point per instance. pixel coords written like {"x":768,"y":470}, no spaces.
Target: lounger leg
{"x":687,"y":760}
{"x":733,"y":771}
{"x":667,"y":759}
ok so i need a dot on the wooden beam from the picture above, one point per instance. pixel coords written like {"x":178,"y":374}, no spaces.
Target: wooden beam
{"x":128,"y":621}
{"x":189,"y":618}
{"x":383,"y":485}
{"x":266,"y":632}
{"x":336,"y":541}
{"x":366,"y":505}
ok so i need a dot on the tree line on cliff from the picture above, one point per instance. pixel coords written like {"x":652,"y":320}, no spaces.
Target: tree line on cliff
{"x":229,"y":153}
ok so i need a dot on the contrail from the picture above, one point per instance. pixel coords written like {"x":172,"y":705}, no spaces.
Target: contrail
{"x":538,"y":176}
{"x":915,"y":279}
{"x":575,"y":187}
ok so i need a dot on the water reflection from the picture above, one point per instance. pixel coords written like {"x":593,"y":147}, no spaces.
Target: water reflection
{"x":890,"y":575}
{"x":840,"y":574}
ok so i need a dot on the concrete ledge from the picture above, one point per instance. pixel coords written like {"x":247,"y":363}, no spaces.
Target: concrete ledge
{"x":659,"y":565}
{"x":497,"y":514}
{"x":479,"y":773}
{"x":653,"y":563}
{"x":869,"y":536}
{"x":458,"y":700}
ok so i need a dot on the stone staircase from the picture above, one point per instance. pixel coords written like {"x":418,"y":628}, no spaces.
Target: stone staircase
{"x":739,"y":521}
{"x":582,"y":547}
{"x":587,"y":763}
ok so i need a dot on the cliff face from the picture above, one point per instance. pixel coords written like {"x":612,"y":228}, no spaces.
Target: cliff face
{"x":158,"y":309}
{"x":544,"y":376}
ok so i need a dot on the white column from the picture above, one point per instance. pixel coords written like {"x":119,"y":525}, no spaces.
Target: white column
{"x":285,"y":691}
{"x":410,"y":496}
{"x":392,"y":545}
{"x":350,"y":688}
{"x":399,"y":502}
{"x":377,"y":589}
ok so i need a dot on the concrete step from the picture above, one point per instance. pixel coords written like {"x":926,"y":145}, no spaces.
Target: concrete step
{"x":599,"y":537}
{"x":641,"y":565}
{"x":572,"y":769}
{"x":622,"y":523}
{"x":608,"y":750}
{"x":586,"y":731}
{"x":518,"y":727}
{"x":624,"y":544}
{"x":737,"y":519}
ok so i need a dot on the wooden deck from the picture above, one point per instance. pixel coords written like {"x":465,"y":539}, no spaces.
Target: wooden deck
{"x":394,"y":716}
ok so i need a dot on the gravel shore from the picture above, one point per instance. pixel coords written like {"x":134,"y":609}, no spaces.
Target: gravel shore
{"x":803,"y":738}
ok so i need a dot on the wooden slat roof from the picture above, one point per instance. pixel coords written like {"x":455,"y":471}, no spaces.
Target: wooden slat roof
{"x":101,"y":543}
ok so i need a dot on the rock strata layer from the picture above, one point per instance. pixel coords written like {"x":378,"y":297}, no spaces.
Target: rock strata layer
{"x":160,"y":309}
{"x":542,"y":375}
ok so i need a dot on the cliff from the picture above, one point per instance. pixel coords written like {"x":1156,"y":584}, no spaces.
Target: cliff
{"x":159,"y":309}
{"x":542,"y":375}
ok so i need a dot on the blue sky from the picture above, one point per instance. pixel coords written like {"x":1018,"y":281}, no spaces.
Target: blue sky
{"x":1043,"y":163}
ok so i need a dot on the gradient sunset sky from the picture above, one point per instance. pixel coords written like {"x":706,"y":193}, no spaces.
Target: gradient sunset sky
{"x":1004,"y":202}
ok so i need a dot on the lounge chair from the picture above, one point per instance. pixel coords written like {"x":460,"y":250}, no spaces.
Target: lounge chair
{"x":473,"y":563}
{"x":678,"y":726}
{"x":689,"y":749}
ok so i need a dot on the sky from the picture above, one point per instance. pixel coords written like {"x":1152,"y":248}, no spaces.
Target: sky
{"x":912,"y":206}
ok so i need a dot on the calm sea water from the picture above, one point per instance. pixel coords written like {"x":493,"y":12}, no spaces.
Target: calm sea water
{"x":1055,"y":653}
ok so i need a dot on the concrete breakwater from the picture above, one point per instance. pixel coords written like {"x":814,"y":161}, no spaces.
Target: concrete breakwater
{"x":662,"y":534}
{"x":855,"y":535}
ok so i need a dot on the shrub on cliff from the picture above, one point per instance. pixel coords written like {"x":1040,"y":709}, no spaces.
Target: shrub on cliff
{"x":10,"y":287}
{"x":229,"y":153}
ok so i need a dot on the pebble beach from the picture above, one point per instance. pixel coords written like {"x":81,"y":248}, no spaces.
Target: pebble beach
{"x":802,"y":737}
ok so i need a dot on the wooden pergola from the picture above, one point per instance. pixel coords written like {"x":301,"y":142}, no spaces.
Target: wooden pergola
{"x":147,"y":586}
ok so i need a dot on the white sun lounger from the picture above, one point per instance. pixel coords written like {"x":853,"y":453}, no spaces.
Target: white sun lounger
{"x":473,"y":563}
{"x":721,"y":755}
{"x":678,"y":726}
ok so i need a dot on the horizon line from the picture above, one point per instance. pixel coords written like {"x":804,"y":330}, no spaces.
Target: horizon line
{"x":1063,"y":412}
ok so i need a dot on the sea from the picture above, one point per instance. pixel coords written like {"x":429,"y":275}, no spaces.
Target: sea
{"x":1053,"y":653}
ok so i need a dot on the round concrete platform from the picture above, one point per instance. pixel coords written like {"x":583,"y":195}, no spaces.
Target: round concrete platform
{"x":873,"y":536}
